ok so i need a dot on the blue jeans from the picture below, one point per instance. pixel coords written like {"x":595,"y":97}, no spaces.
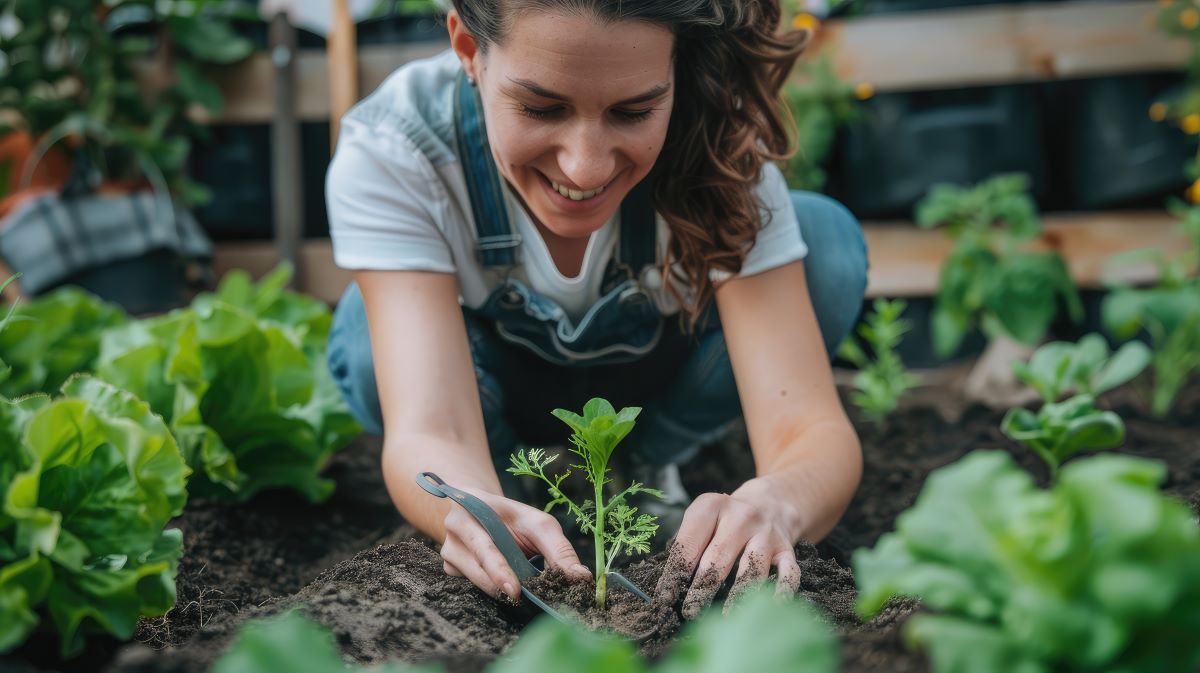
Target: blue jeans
{"x":685,"y":385}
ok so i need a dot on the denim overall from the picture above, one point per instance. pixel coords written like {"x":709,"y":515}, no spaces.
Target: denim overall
{"x":530,"y":357}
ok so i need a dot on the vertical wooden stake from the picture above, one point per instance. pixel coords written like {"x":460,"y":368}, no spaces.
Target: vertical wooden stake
{"x":342,"y":52}
{"x":286,"y":178}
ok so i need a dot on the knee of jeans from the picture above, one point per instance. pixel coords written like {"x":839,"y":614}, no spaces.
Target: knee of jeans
{"x":351,"y":362}
{"x":836,"y":265}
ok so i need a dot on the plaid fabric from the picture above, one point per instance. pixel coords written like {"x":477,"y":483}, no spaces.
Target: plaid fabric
{"x":51,"y":237}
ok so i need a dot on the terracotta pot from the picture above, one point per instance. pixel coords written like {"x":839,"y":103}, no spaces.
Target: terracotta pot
{"x":51,"y":173}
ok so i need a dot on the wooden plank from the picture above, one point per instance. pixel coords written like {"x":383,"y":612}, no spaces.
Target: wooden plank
{"x":248,"y":87}
{"x":997,"y":44}
{"x":316,"y":273}
{"x":905,"y":260}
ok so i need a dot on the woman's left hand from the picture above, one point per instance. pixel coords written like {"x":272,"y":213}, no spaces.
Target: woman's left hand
{"x":752,"y":528}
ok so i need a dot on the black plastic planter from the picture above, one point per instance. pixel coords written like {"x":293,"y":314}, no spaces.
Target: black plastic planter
{"x":1111,"y":153}
{"x":907,"y":142}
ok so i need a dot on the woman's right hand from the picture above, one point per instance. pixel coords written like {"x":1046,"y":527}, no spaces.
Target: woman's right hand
{"x":468,"y":550}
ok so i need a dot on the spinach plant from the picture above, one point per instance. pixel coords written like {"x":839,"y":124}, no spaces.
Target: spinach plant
{"x":614,"y":524}
{"x":989,"y":279}
{"x":881,"y":380}
{"x":1101,"y":572}
{"x":1169,"y":312}
{"x":788,"y":635}
{"x":1061,"y":429}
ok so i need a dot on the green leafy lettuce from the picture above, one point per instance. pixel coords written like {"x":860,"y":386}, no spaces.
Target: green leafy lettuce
{"x":52,"y":337}
{"x":88,"y":481}
{"x":242,"y":394}
{"x":1099,"y":573}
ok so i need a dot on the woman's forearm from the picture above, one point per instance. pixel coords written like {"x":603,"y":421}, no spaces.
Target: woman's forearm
{"x":813,"y":479}
{"x":462,"y":465}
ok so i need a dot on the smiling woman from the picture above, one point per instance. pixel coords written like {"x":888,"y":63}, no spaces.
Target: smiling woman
{"x":580,"y":199}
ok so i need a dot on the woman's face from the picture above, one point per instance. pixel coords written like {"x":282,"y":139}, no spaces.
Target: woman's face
{"x":576,"y":111}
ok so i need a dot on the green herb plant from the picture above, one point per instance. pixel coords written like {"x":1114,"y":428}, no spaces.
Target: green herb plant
{"x":1168,"y":312}
{"x":1100,"y":572}
{"x":989,"y":279}
{"x":1061,"y":429}
{"x":614,"y":524}
{"x":882,"y":379}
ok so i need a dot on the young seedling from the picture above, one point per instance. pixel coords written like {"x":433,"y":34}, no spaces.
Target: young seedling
{"x":881,"y":381}
{"x":988,"y":279}
{"x":1088,"y":367}
{"x":614,"y":524}
{"x":1061,"y":429}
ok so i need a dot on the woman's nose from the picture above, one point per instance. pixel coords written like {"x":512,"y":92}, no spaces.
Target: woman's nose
{"x":586,"y":157}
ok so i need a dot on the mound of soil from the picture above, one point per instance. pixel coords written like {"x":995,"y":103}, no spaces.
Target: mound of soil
{"x":354,"y":566}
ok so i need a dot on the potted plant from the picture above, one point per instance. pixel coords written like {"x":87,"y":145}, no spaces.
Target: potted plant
{"x":103,"y":100}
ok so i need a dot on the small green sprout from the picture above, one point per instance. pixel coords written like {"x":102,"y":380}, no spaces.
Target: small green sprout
{"x":614,"y":524}
{"x":1061,"y":429}
{"x":881,"y":381}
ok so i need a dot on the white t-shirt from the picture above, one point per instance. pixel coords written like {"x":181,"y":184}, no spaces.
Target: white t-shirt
{"x":397,"y":200}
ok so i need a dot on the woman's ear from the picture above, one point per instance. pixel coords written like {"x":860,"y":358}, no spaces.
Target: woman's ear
{"x":463,"y":44}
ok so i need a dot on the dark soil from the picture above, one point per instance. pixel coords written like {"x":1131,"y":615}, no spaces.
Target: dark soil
{"x":353,"y":565}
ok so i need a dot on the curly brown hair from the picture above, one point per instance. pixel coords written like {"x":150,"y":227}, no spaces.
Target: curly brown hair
{"x":730,"y":64}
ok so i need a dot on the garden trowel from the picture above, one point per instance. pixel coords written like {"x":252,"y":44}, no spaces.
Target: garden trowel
{"x":521,"y":565}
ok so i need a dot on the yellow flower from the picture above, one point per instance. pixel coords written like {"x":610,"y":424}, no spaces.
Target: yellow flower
{"x":1189,"y":18}
{"x":1193,"y":192}
{"x":1191,"y":124}
{"x":806,"y":22}
{"x":1158,"y":111}
{"x":864,"y":90}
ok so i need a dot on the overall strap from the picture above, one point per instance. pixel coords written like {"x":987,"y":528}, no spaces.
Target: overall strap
{"x":639,"y":233}
{"x":496,"y":243}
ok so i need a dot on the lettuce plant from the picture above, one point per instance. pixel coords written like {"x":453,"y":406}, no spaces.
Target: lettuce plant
{"x":248,"y":398}
{"x":882,"y":380}
{"x":614,"y":524}
{"x":88,"y":481}
{"x":1061,"y":429}
{"x":52,"y":337}
{"x":988,"y":279}
{"x":788,"y":635}
{"x":1101,"y":572}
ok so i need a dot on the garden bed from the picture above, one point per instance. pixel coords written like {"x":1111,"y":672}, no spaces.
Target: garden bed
{"x":359,"y":570}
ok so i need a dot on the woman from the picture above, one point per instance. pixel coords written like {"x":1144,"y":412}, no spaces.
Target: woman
{"x":578,"y":199}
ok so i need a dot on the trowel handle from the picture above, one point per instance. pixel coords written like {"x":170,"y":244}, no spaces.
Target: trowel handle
{"x":486,"y":517}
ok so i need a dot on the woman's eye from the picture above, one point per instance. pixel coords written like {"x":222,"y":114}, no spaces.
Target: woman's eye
{"x":540,"y":114}
{"x":636,"y":115}
{"x":543,"y":114}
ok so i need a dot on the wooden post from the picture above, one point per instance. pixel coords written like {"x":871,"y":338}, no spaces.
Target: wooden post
{"x":286,"y":178}
{"x":343,"y":67}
